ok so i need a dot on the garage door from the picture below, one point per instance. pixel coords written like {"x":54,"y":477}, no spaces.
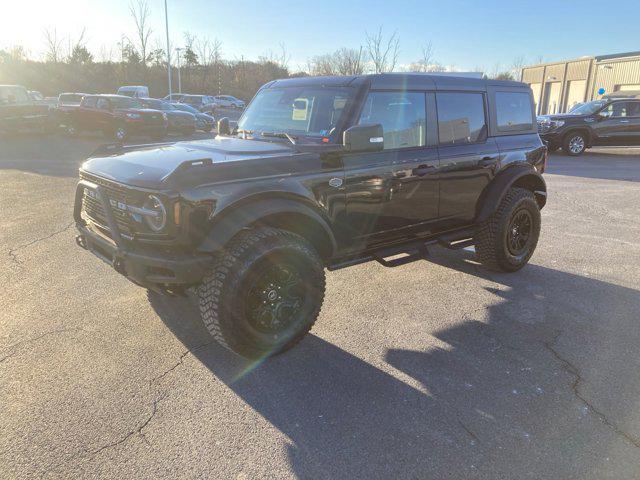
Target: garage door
{"x":575,"y":93}
{"x":551,"y":103}
{"x":535,"y":87}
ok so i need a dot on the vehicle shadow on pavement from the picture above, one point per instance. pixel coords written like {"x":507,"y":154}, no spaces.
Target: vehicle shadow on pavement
{"x":508,"y":395}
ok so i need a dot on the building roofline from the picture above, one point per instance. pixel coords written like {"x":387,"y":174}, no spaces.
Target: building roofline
{"x":597,"y":58}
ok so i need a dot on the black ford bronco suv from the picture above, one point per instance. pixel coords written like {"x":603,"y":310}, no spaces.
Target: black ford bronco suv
{"x":324,"y":172}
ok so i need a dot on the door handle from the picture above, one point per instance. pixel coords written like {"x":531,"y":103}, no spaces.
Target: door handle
{"x":487,"y":161}
{"x":423,"y":170}
{"x":624,"y":121}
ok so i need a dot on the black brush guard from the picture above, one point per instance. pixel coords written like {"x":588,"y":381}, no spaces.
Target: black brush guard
{"x":163,"y":272}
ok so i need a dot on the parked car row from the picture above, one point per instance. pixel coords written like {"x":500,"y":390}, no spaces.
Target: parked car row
{"x":206,"y":103}
{"x":116,"y":116}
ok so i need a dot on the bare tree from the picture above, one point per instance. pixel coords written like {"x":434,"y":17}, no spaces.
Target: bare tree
{"x":383,"y":54}
{"x":426,"y":63}
{"x":349,"y":61}
{"x":280,"y":58}
{"x":140,"y":12}
{"x":517,"y":65}
{"x":53,"y":46}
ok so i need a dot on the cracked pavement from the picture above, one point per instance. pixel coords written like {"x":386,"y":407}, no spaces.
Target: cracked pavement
{"x":431,"y":370}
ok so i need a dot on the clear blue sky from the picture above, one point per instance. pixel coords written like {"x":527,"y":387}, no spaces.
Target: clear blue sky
{"x":464,"y":33}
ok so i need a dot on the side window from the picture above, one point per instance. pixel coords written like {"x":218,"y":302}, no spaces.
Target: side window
{"x":513,"y":111}
{"x":102,"y":104}
{"x":89,"y":102}
{"x":634,"y":109}
{"x":402,"y":115}
{"x":616,"y":109}
{"x":461,"y":118}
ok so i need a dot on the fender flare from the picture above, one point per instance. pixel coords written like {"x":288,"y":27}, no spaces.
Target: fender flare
{"x":242,"y":214}
{"x":516,"y":175}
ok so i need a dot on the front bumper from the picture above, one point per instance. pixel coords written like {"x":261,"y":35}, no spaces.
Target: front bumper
{"x":162,"y":270}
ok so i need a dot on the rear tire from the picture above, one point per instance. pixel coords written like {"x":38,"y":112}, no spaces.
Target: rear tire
{"x":574,"y":144}
{"x":263,"y":293}
{"x":506,"y":241}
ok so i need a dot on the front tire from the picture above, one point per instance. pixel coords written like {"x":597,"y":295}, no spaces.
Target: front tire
{"x":263,"y":293}
{"x":574,"y":144}
{"x":120,"y":134}
{"x":506,"y":241}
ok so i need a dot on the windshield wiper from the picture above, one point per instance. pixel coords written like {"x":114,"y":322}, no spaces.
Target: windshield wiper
{"x":286,"y":135}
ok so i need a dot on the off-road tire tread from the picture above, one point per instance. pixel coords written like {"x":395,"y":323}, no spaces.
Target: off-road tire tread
{"x":210,"y":290}
{"x":488,"y":243}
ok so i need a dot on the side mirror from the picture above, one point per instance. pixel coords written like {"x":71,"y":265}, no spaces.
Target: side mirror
{"x":223,"y":126}
{"x":363,"y":138}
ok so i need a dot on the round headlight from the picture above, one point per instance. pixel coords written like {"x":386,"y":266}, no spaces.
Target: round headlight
{"x":157,"y":217}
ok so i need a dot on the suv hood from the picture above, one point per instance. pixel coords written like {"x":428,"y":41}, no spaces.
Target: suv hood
{"x":148,"y":166}
{"x":565,"y":116}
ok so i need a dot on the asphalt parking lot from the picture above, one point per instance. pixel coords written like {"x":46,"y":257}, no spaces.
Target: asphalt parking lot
{"x":431,"y":370}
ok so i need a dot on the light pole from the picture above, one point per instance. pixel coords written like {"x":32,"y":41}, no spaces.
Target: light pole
{"x":166,"y":21}
{"x":178,"y":49}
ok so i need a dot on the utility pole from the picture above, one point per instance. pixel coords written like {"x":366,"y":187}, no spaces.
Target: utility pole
{"x":178,"y":49}
{"x":166,"y":20}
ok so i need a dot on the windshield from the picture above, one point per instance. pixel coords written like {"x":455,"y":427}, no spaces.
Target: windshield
{"x":123,"y":102}
{"x":588,"y":108}
{"x":310,"y":111}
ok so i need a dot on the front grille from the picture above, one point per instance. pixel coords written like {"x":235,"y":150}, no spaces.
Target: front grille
{"x":118,"y":196}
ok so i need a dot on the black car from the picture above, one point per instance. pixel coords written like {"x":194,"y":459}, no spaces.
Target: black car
{"x":611,"y":121}
{"x":203,"y":103}
{"x":19,"y":111}
{"x":178,"y":121}
{"x":324,"y":172}
{"x":204,"y":121}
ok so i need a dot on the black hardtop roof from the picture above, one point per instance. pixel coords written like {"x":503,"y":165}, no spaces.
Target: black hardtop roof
{"x":399,"y":81}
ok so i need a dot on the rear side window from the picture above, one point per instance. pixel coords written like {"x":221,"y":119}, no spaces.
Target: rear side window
{"x":461,"y":118}
{"x":513,"y":111}
{"x":402,"y":116}
{"x":89,"y":102}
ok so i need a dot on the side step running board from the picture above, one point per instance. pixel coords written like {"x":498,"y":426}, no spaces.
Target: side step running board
{"x":420,"y":253}
{"x":458,"y":244}
{"x":411,"y":252}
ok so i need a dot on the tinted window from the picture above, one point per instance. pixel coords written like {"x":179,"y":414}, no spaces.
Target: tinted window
{"x":617,"y":109}
{"x":634,"y":109}
{"x":402,"y":116}
{"x":89,"y":102}
{"x":461,"y":118}
{"x":102,"y":104}
{"x":513,"y":111}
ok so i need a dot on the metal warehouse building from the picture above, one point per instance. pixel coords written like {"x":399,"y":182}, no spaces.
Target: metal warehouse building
{"x":558,"y":86}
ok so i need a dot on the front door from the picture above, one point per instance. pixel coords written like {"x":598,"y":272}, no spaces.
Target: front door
{"x":394,"y":191}
{"x":467,"y":156}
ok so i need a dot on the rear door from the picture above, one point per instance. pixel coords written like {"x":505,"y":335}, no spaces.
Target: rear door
{"x":467,"y":155}
{"x":613,"y":123}
{"x":632,"y":133}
